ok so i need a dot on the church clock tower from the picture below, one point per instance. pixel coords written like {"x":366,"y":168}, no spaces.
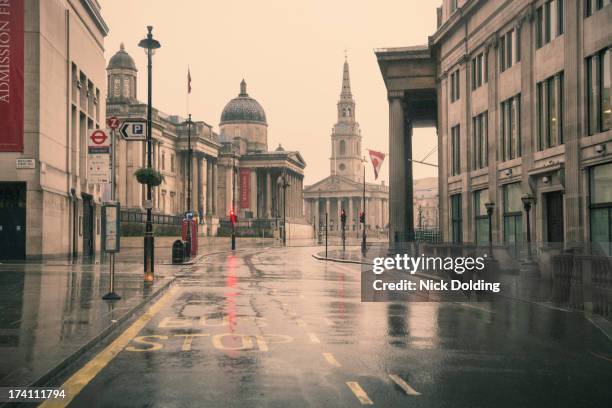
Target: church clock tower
{"x":346,"y":135}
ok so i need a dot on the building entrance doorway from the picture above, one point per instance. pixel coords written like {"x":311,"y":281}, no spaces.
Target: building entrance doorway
{"x":13,"y":221}
{"x":554,"y":217}
{"x":88,"y":225}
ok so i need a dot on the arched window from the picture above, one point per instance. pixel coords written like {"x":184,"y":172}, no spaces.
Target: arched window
{"x":348,"y":111}
{"x":344,"y":112}
{"x":342,"y":148}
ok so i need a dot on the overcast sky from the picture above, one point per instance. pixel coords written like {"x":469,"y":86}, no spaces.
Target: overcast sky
{"x":290,"y":53}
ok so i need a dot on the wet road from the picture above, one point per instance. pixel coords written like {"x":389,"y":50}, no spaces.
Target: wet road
{"x":277,"y":328}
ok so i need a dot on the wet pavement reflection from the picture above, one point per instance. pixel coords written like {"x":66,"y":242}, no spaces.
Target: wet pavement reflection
{"x":275,"y":327}
{"x":49,"y":310}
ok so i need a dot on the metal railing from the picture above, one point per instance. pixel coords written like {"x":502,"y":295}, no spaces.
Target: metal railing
{"x":141,"y":218}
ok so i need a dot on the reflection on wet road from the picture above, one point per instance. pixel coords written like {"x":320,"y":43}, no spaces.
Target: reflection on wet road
{"x":278,"y":328}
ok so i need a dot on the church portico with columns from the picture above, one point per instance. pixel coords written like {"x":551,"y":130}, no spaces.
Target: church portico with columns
{"x":343,"y":189}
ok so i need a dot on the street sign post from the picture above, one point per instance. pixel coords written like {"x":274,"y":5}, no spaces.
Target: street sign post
{"x":98,"y":149}
{"x":113,"y":122}
{"x":133,"y":130}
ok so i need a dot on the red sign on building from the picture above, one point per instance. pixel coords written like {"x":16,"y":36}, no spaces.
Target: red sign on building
{"x":245,"y":188}
{"x":11,"y":76}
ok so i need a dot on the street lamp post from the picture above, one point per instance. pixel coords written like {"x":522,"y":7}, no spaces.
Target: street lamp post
{"x":233,"y":212}
{"x":189,"y":158}
{"x":150,"y":45}
{"x":527,"y":200}
{"x":282,"y":181}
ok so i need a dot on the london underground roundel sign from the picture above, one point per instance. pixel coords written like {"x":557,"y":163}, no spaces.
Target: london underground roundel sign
{"x":98,"y":137}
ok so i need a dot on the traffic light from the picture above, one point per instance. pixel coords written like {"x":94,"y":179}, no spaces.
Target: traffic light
{"x":233,"y":217}
{"x":343,"y":217}
{"x":362,"y":217}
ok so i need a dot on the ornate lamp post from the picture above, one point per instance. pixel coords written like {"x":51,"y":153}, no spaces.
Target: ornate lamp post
{"x":528,"y":201}
{"x":150,"y":45}
{"x":283,"y":183}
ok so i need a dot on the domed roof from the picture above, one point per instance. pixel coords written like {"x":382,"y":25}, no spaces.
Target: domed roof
{"x":243,"y":109}
{"x":122,"y":60}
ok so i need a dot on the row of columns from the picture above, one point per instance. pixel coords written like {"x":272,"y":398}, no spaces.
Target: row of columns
{"x":203,"y":184}
{"x":377,"y":213}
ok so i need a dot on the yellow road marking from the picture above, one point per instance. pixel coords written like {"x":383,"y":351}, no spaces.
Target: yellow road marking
{"x":146,"y":340}
{"x":404,"y":385}
{"x":313,"y":338}
{"x":359,"y":393}
{"x":189,"y":339}
{"x":300,"y":322}
{"x":261,"y":343}
{"x":329,"y":357}
{"x":75,"y":384}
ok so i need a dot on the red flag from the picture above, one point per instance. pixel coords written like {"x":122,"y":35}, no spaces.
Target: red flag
{"x":377,"y":159}
{"x":188,"y":80}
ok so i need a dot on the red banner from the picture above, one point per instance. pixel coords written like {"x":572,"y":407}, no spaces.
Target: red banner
{"x":245,"y":188}
{"x":11,"y":75}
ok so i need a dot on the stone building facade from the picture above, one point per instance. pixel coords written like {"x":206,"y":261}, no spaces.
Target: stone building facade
{"x":170,"y":134}
{"x":229,"y":170}
{"x":47,"y":206}
{"x":425,"y":203}
{"x":519,"y":92}
{"x":343,"y":188}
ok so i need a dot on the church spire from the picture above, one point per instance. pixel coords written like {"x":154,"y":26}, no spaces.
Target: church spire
{"x":346,"y":81}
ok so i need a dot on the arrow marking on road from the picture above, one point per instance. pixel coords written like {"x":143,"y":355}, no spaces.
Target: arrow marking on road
{"x":404,"y":385}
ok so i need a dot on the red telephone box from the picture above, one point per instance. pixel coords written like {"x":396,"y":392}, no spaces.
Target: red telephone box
{"x":194,"y":235}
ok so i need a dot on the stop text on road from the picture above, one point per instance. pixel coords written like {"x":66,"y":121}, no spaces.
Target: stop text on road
{"x":132,"y":130}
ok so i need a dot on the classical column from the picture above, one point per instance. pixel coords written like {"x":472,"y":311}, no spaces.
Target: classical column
{"x":349,"y":223}
{"x":253,"y":192}
{"x":203,"y":186}
{"x":228,"y":190}
{"x":214,"y":180}
{"x":317,"y":214}
{"x":268,"y":195}
{"x":209,"y":187}
{"x":400,"y":169}
{"x":194,"y":182}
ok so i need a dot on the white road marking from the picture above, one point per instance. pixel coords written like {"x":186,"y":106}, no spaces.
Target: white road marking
{"x":313,"y":338}
{"x":331,"y":360}
{"x":404,"y":385}
{"x":359,"y":393}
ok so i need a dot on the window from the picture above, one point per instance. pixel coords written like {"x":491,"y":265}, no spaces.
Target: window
{"x":549,"y":22}
{"x":600,"y":207}
{"x":549,"y":106}
{"x":453,"y":6}
{"x":509,"y":49}
{"x":456,"y":222}
{"x":172,"y":162}
{"x":510,"y":129}
{"x":513,"y":216}
{"x":591,"y":6}
{"x":455,"y":86}
{"x":479,"y":70}
{"x":163,"y":161}
{"x":342,"y":148}
{"x":599,"y":107}
{"x":455,"y":151}
{"x":480,"y":140}
{"x":481,"y":217}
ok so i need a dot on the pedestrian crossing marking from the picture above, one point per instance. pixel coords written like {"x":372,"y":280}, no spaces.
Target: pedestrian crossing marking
{"x":404,"y":385}
{"x":359,"y":393}
{"x":313,"y":338}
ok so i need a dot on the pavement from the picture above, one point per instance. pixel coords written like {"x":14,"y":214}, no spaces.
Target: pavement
{"x":275,"y":327}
